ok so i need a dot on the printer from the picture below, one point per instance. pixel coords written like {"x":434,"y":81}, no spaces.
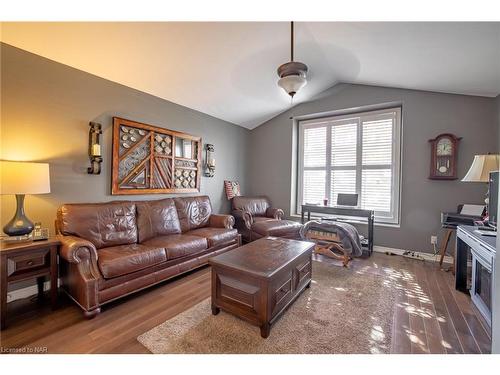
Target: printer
{"x":467,"y":214}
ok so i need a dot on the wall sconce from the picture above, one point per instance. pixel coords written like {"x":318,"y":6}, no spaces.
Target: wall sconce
{"x":209,"y":160}
{"x":95,"y":155}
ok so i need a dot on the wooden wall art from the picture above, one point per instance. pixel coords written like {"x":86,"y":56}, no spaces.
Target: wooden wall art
{"x":151,"y":160}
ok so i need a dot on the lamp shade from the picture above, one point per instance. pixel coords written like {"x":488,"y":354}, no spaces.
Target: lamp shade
{"x":292,"y":84}
{"x":24,"y":177}
{"x":481,"y":167}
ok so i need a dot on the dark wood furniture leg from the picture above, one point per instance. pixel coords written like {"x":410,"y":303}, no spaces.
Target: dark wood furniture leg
{"x":265,"y":329}
{"x":3,"y":285}
{"x":54,"y":275}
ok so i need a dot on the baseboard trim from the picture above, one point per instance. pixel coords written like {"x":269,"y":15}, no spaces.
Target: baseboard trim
{"x":420,"y":254}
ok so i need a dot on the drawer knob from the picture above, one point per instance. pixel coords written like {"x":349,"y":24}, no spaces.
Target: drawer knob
{"x":30,"y":263}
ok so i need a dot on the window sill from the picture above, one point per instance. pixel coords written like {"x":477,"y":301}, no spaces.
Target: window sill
{"x":354,"y":221}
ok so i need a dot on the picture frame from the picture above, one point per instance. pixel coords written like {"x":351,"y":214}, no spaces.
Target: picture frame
{"x":149,"y":159}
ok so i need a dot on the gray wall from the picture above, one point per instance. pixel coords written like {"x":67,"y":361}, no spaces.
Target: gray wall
{"x":425,"y":115}
{"x":46,"y":108}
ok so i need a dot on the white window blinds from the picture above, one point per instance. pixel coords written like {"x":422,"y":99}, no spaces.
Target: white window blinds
{"x":358,"y":153}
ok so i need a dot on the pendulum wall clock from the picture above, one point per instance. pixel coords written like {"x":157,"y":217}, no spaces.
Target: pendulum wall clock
{"x":444,"y":152}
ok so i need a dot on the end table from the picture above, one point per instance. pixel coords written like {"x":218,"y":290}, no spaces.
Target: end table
{"x":28,"y":260}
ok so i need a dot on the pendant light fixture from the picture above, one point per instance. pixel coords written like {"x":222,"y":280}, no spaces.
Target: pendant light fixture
{"x":292,"y":74}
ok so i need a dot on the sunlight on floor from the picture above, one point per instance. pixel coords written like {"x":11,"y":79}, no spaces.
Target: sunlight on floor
{"x":445,"y":344}
{"x":377,"y":333}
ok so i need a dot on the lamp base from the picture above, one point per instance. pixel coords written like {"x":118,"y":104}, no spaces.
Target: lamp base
{"x":19,"y":225}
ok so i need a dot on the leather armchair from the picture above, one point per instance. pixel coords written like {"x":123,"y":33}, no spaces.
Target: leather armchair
{"x":255,"y":218}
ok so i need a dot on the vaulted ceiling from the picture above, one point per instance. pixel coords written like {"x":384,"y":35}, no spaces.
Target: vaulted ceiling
{"x":228,"y":70}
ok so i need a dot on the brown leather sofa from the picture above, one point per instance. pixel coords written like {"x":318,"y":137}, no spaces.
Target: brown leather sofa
{"x":110,"y":250}
{"x":255,"y":218}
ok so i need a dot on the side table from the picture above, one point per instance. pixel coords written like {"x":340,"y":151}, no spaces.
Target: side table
{"x":28,"y":260}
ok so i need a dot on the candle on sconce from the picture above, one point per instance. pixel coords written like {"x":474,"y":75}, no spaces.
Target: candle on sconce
{"x":96,"y":150}
{"x":209,"y":160}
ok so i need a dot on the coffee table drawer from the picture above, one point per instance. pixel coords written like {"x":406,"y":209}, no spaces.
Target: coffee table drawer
{"x":237,"y":293}
{"x":282,"y":293}
{"x":302,"y":273}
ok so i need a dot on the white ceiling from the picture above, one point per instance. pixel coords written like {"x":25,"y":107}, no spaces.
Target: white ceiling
{"x":228,"y":70}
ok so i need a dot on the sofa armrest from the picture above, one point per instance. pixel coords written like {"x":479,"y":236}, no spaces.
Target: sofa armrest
{"x":80,"y":273}
{"x":275,"y":213}
{"x":75,"y":249}
{"x":221,"y":221}
{"x":244,"y":216}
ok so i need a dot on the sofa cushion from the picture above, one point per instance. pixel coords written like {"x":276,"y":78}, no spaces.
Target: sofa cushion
{"x":215,"y":236}
{"x":178,"y":245}
{"x":120,"y":260}
{"x":103,"y":224}
{"x":277,"y":228}
{"x":193,"y":212}
{"x":157,"y":218}
{"x":257,"y":206}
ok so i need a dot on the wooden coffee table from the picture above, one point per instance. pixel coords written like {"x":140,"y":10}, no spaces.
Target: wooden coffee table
{"x":258,"y":281}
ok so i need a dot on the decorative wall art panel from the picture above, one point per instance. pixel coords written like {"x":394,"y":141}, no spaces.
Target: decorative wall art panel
{"x":149,"y":159}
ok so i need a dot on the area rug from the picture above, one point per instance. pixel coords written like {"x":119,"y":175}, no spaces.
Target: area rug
{"x":344,"y":311}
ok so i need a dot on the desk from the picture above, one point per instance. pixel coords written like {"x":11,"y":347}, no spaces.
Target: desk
{"x":28,"y":260}
{"x":483,"y":252}
{"x":343,"y":211}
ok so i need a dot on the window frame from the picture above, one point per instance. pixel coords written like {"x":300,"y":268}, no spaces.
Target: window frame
{"x":393,"y":218}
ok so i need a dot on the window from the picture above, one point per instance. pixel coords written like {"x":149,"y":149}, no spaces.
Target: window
{"x":356,"y":153}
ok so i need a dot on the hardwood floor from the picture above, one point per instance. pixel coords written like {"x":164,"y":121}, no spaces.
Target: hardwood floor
{"x":429,"y":316}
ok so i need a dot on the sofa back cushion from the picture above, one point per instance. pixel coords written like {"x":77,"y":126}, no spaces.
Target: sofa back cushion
{"x":157,"y":218}
{"x":257,"y":206}
{"x":193,"y":212}
{"x":103,"y":224}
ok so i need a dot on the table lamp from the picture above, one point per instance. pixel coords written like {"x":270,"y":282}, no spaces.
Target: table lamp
{"x":22,"y":178}
{"x":480,"y":169}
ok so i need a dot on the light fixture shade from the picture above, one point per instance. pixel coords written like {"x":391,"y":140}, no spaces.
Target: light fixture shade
{"x":481,"y":167}
{"x":291,"y":84}
{"x":24,"y":177}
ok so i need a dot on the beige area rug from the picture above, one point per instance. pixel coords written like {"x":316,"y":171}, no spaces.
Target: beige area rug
{"x":344,"y":311}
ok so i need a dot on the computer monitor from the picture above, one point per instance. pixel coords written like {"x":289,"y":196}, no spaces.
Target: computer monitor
{"x":493,"y":199}
{"x":344,"y":199}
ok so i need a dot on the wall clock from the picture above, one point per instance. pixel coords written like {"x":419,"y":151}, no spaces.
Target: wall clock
{"x":444,"y":152}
